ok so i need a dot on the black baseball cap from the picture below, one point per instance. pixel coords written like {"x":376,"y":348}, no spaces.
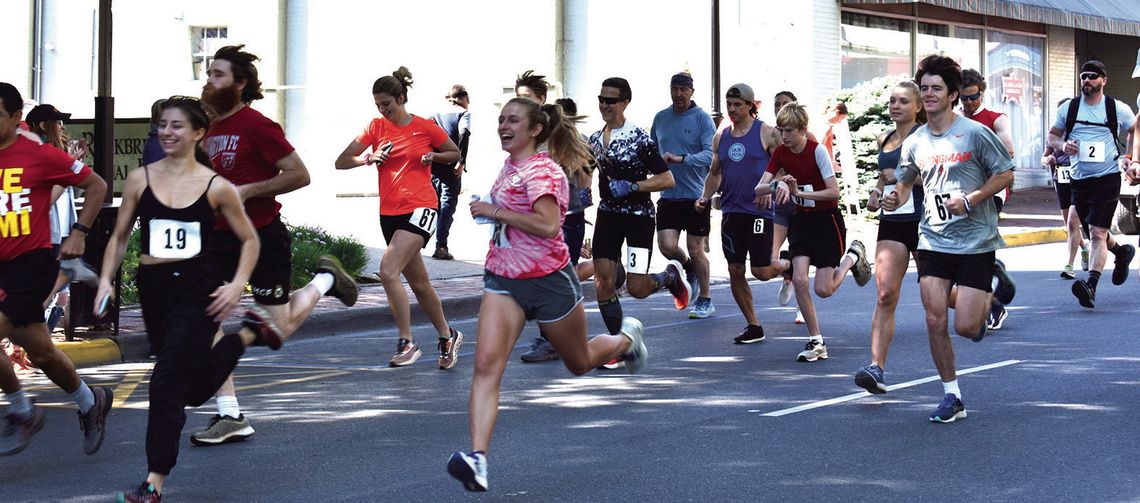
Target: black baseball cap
{"x":45,"y":112}
{"x":1094,"y":66}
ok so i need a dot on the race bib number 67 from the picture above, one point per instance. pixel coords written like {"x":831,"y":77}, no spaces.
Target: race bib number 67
{"x":936,"y":212}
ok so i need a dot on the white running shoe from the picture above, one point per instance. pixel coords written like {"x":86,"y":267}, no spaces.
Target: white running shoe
{"x":814,"y":350}
{"x":800,"y":317}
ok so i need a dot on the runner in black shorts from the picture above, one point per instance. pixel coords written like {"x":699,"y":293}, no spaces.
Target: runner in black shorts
{"x":403,"y":149}
{"x":28,"y":271}
{"x":1061,"y":170}
{"x":683,"y":133}
{"x":1082,"y":131}
{"x":962,"y":164}
{"x":817,"y":234}
{"x":898,"y":232}
{"x":251,"y":151}
{"x":629,"y":168}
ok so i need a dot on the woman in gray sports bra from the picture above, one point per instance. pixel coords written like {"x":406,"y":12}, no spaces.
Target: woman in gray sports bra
{"x":176,"y":201}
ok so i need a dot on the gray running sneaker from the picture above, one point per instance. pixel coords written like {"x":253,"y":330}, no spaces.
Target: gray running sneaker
{"x":870,"y":378}
{"x":344,"y":287}
{"x":449,"y":349}
{"x":814,"y":350}
{"x":862,"y":269}
{"x":94,"y":422}
{"x":77,"y":271}
{"x":407,"y":352}
{"x":540,"y":351}
{"x":637,"y":356}
{"x":702,"y":308}
{"x":17,"y":433}
{"x":223,"y":430}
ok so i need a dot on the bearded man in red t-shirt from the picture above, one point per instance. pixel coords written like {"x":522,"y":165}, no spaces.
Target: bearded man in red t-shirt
{"x":250,"y":150}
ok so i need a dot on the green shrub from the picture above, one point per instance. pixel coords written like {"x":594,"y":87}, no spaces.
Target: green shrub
{"x":309,"y":243}
{"x":868,"y":117}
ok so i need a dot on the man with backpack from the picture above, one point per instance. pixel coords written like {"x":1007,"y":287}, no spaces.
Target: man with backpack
{"x":1087,"y":127}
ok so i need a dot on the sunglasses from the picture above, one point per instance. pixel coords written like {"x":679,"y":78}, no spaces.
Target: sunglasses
{"x":1090,"y":76}
{"x":608,"y":101}
{"x":972,"y":97}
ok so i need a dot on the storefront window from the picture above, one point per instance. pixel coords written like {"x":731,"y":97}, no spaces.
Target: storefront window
{"x":962,"y":44}
{"x":874,"y":47}
{"x":1014,"y":86}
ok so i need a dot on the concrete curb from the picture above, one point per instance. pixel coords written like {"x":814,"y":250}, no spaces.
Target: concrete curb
{"x":134,"y":346}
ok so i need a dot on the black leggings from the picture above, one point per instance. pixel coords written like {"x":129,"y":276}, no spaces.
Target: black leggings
{"x":188,"y":371}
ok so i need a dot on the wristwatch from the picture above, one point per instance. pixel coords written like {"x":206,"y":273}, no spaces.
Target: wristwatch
{"x":81,"y":228}
{"x":633,"y":187}
{"x":682,"y":157}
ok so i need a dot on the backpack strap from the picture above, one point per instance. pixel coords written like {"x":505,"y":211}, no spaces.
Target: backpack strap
{"x":1110,"y":112}
{"x":1071,"y":117}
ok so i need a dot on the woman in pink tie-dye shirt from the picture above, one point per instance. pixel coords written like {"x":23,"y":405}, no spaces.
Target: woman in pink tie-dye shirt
{"x":528,"y":272}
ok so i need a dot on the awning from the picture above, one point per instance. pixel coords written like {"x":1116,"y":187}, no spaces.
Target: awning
{"x":1118,"y":17}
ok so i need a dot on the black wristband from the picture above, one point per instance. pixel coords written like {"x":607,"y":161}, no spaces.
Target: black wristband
{"x":81,"y":228}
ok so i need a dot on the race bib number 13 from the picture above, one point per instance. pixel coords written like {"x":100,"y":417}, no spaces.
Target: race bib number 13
{"x":1064,"y":174}
{"x":424,"y":220}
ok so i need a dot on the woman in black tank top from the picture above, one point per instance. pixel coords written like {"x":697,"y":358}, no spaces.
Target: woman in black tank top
{"x":176,"y":201}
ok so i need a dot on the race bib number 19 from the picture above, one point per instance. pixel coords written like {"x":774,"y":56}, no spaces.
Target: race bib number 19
{"x":936,"y":212}
{"x":424,"y":220}
{"x":174,"y":239}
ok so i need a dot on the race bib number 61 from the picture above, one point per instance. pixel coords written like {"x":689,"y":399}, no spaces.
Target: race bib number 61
{"x":424,"y":220}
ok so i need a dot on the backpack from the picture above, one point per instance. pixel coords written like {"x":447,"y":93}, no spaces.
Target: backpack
{"x":1112,"y":125}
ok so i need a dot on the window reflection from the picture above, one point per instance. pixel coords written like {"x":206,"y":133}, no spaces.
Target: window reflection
{"x":1014,"y":80}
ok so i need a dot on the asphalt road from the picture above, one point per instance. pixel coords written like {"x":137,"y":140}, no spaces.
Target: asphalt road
{"x":1051,"y":401}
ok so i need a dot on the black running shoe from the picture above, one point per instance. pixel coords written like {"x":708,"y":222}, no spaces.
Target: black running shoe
{"x":1084,"y":294}
{"x":94,"y":422}
{"x":1005,"y":289}
{"x":1123,"y":259}
{"x":751,"y":334}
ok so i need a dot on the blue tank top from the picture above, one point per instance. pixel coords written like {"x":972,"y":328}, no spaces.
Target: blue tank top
{"x":742,"y":163}
{"x":175,"y":233}
{"x":890,"y":160}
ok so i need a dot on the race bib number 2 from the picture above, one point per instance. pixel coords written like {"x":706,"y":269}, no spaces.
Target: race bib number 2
{"x":174,"y":239}
{"x":1092,"y":151}
{"x":424,"y":219}
{"x":936,"y":212}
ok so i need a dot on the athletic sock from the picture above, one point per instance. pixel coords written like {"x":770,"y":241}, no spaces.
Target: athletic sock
{"x":951,"y":388}
{"x":611,"y":314}
{"x":818,"y":338}
{"x":228,"y":406}
{"x":1094,"y":277}
{"x":19,"y":404}
{"x":83,"y":397}
{"x":1116,"y":249}
{"x":323,"y":281}
{"x":663,"y":279}
{"x":854,"y":257}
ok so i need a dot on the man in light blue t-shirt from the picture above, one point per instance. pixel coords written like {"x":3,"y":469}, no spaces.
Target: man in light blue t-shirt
{"x":1091,"y":138}
{"x":684,"y":134}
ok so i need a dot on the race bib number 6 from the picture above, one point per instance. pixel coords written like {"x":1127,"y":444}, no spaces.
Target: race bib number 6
{"x":174,"y":239}
{"x":424,"y":220}
{"x":936,"y":212}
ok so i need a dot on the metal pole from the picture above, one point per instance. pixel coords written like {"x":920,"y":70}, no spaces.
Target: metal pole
{"x":105,"y":104}
{"x":716,"y":115}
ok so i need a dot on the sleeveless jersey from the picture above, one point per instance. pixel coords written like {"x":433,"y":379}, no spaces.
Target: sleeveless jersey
{"x":175,"y":233}
{"x":913,"y":209}
{"x":742,"y":163}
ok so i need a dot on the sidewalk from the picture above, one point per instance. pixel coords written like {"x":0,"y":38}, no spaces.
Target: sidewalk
{"x":1031,"y":217}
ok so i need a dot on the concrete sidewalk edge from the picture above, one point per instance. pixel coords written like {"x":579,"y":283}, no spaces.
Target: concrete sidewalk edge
{"x":134,"y":347}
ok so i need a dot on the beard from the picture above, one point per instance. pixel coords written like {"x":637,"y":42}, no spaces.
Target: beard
{"x":220,"y":101}
{"x":1089,"y":90}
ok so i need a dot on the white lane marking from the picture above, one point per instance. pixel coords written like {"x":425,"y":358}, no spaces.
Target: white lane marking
{"x":861,"y":394}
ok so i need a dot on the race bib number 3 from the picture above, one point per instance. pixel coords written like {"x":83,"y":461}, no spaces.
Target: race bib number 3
{"x":905,"y":209}
{"x":637,"y":260}
{"x":174,"y":239}
{"x":424,"y":220}
{"x":806,"y":203}
{"x":1092,"y":151}
{"x":936,"y":212}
